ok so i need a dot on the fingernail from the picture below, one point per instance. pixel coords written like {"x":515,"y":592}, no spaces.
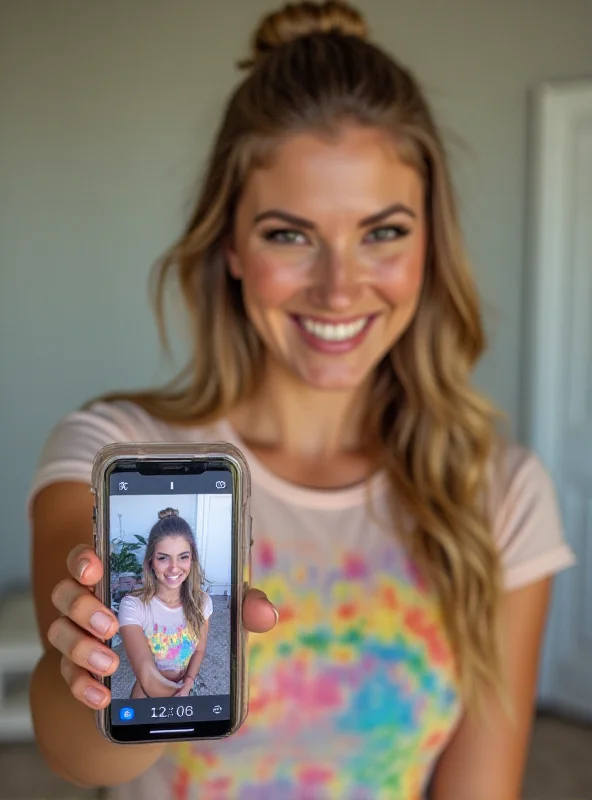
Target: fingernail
{"x":81,"y":567}
{"x":101,"y":622}
{"x":94,"y":696}
{"x":277,"y":614}
{"x":100,"y":661}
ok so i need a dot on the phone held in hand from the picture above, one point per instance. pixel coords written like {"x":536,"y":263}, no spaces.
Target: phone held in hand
{"x":173,"y":529}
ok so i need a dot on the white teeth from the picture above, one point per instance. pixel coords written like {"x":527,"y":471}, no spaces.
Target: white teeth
{"x":334,"y":333}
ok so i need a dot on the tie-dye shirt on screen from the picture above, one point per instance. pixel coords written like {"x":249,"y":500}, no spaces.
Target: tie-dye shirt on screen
{"x":169,"y":638}
{"x":354,"y":695}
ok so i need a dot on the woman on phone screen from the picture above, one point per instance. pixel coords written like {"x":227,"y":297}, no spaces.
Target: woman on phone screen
{"x":408,"y":545}
{"x":164,"y":625}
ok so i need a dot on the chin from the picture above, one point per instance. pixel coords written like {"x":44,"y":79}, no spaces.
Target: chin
{"x":334,"y":380}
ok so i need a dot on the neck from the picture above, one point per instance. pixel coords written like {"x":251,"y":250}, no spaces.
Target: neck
{"x":301,"y":420}
{"x":171,"y":597}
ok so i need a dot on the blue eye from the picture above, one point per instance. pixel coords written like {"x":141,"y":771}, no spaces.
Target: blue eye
{"x":285,"y":236}
{"x":386,"y":233}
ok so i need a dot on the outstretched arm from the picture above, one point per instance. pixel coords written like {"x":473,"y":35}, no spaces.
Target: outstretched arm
{"x":485,"y":758}
{"x":74,"y":748}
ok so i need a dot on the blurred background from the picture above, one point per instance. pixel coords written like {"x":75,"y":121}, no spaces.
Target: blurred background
{"x":108,"y":109}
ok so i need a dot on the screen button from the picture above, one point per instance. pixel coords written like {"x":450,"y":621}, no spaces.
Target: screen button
{"x":126,"y":714}
{"x":217,"y":709}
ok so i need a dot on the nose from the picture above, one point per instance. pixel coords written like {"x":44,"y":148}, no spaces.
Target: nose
{"x":337,"y":281}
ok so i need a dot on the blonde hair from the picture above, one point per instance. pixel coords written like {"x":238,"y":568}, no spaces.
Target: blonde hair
{"x":312,"y":69}
{"x":171,"y":524}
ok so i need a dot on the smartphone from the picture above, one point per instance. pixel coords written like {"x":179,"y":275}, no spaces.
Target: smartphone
{"x":172,"y":527}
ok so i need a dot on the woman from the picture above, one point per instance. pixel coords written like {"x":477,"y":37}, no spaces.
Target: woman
{"x":164,"y":626}
{"x":408,"y":548}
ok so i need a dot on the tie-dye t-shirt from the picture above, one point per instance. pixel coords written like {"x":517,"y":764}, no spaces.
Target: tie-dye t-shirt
{"x":170,"y":640}
{"x":354,"y":694}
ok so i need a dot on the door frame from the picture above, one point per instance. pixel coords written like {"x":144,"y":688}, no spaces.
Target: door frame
{"x":556,"y":108}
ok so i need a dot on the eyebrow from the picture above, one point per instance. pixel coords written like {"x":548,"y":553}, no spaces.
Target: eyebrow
{"x":300,"y":222}
{"x":184,"y":553}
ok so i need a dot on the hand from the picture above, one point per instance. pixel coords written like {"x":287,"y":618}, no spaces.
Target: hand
{"x":184,"y":690}
{"x":80,"y":634}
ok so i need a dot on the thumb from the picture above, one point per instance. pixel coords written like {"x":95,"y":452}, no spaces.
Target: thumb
{"x":259,"y":614}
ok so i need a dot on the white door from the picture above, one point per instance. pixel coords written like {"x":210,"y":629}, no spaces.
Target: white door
{"x":214,"y":540}
{"x":558,"y":411}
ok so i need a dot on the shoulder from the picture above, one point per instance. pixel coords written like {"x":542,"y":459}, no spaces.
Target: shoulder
{"x":72,"y":445}
{"x":525,"y":515}
{"x":207,"y":605}
{"x":132,"y":611}
{"x":518,"y":481}
{"x":82,"y":433}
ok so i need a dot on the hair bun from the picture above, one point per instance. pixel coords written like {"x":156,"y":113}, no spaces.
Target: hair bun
{"x":296,"y":20}
{"x":168,"y":512}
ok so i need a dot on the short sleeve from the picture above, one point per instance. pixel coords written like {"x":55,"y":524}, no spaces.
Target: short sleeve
{"x":208,"y":607}
{"x":71,"y":447}
{"x":527,"y":521}
{"x":131,"y":611}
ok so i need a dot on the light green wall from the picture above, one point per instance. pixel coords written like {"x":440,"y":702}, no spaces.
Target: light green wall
{"x":107,"y":107}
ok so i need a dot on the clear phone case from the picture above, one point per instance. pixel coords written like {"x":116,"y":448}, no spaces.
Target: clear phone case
{"x":241,"y":519}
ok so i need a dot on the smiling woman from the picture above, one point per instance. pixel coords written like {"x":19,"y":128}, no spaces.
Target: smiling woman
{"x":338,"y":281}
{"x":407,"y":546}
{"x":164,"y":625}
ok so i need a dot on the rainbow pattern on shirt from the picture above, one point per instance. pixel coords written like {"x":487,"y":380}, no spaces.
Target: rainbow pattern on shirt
{"x":352,"y":697}
{"x":172,"y":649}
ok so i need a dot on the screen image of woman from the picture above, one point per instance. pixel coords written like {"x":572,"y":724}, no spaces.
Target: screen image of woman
{"x":164,"y":625}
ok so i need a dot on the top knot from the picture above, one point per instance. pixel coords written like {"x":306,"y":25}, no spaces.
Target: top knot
{"x":168,"y":512}
{"x":296,"y":20}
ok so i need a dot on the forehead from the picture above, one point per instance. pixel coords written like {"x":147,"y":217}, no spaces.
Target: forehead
{"x":172,"y":543}
{"x":359,"y":170}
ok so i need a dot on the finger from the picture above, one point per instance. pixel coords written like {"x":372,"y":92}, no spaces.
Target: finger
{"x":83,"y":650}
{"x":84,"y":687}
{"x":259,"y":615}
{"x":83,"y":608}
{"x":84,"y":565}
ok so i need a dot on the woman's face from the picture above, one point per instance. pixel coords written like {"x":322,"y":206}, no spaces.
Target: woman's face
{"x":171,"y":561}
{"x":329,"y":243}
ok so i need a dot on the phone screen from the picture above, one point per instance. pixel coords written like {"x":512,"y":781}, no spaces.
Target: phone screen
{"x":171,"y":573}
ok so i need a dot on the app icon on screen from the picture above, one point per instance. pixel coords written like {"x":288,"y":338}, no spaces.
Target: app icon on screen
{"x":126,"y":714}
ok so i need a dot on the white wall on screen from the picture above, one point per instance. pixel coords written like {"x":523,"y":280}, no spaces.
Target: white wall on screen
{"x":139,"y":513}
{"x":214,"y":541}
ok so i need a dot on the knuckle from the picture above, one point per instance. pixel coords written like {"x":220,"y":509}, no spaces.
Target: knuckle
{"x":53,"y":631}
{"x":78,"y":685}
{"x":78,"y":650}
{"x":59,"y":592}
{"x":78,"y":604}
{"x":66,"y":669}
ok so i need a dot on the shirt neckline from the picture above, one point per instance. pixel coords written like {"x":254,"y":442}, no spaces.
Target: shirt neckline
{"x":167,"y":608}
{"x":328,"y":499}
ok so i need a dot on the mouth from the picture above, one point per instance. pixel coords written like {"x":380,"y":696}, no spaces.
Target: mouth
{"x":173,"y":578}
{"x":336,"y":337}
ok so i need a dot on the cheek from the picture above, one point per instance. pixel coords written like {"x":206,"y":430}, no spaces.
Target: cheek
{"x":400,"y":278}
{"x":268,"y":283}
